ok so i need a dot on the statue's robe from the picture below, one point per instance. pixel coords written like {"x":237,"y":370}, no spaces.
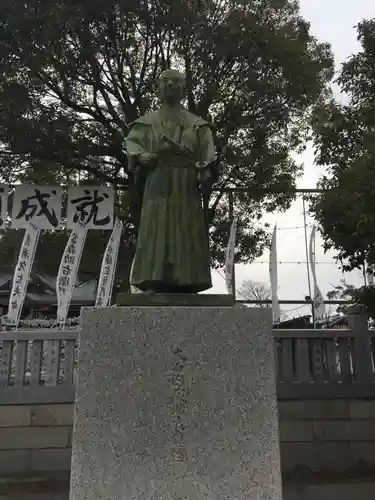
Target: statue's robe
{"x":172,"y":252}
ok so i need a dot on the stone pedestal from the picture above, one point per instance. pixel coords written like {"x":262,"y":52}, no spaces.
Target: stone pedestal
{"x":176,"y":403}
{"x":175,"y":299}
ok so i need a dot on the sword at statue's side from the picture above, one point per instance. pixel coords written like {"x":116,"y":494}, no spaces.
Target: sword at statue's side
{"x":207,"y":176}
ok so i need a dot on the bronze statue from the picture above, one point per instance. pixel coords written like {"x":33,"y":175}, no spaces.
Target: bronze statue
{"x":173,"y":150}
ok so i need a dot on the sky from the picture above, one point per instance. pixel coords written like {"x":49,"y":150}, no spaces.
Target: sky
{"x":331,"y":21}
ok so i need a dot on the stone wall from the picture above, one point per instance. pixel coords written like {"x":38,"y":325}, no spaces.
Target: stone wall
{"x":317,"y":437}
{"x":35,"y":439}
{"x":332,"y":437}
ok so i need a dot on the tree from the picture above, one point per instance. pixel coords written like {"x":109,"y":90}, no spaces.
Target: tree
{"x":362,"y":298}
{"x":344,"y":136}
{"x":74,"y":75}
{"x":254,"y":290}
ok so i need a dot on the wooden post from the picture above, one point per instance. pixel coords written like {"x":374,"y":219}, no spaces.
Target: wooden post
{"x":6,"y":356}
{"x":362,"y":357}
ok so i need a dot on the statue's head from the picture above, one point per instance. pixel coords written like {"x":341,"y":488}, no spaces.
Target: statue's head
{"x":171,"y":87}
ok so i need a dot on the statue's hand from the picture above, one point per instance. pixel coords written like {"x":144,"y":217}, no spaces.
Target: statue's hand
{"x":204,"y":174}
{"x":148,"y":159}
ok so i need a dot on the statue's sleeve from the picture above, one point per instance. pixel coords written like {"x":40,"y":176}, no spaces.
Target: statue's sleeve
{"x":207,"y":151}
{"x":136,"y":143}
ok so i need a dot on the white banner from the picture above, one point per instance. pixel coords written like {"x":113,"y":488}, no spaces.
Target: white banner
{"x":3,"y":205}
{"x":229,"y":260}
{"x":92,"y":206}
{"x":68,"y":270}
{"x":108,"y":269}
{"x":22,"y":274}
{"x":40,"y":205}
{"x":318,"y":300}
{"x":274,"y":278}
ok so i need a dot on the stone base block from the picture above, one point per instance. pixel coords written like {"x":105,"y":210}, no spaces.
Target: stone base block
{"x":176,"y":403}
{"x":175,"y":299}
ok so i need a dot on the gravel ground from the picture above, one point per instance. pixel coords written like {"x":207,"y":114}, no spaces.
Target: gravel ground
{"x":348,"y":491}
{"x":36,"y":496}
{"x":53,"y":489}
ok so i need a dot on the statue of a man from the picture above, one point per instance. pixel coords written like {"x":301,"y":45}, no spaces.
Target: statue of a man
{"x":172,"y":149}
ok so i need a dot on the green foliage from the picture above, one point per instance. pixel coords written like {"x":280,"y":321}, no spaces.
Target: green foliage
{"x":362,"y":298}
{"x":343,"y":291}
{"x":344,"y":136}
{"x":73,"y":75}
{"x":365,"y":299}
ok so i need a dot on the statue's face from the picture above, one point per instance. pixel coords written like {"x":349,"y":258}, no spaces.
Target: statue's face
{"x":172,"y":85}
